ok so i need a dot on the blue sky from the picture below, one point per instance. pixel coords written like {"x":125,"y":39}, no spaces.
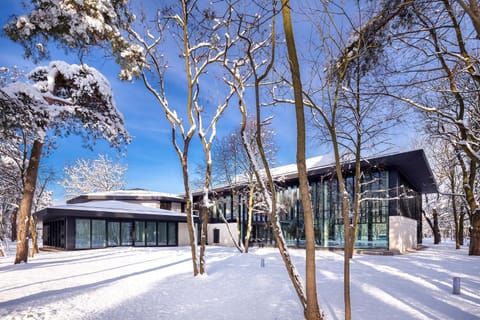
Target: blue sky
{"x":151,"y":159}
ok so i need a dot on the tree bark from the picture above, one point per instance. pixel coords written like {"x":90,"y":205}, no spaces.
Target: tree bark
{"x":189,"y":208}
{"x":14,"y":225}
{"x":474,"y":249}
{"x":461,"y":229}
{"x":312,"y":310}
{"x":203,"y":241}
{"x":472,"y":9}
{"x":456,"y":222}
{"x":26,"y":202}
{"x":33,"y":232}
{"x":437,"y":237}
{"x":249,"y":216}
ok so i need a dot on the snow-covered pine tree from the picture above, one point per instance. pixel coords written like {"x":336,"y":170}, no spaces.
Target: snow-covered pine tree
{"x":63,"y":99}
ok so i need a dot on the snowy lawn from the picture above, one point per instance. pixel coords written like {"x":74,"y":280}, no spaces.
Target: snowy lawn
{"x":157,"y":283}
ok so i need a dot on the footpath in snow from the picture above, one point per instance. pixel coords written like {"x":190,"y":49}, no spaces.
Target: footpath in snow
{"x":157,"y":283}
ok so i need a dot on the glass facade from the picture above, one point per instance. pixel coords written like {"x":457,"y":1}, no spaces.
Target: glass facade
{"x":113,"y":233}
{"x":82,"y":233}
{"x":172,"y":234}
{"x":54,"y":233}
{"x":100,"y":233}
{"x":162,"y":233}
{"x":151,"y":233}
{"x":372,"y":220}
{"x":126,"y":232}
{"x":139,"y":233}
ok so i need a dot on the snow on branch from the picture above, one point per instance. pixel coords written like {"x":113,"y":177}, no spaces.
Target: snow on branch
{"x":73,"y":98}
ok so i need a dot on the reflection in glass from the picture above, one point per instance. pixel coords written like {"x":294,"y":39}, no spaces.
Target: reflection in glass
{"x":172,"y":233}
{"x":126,"y":232}
{"x":82,"y":233}
{"x":151,"y":233}
{"x":162,"y":233}
{"x":99,"y":237}
{"x":113,"y":234}
{"x":139,"y":233}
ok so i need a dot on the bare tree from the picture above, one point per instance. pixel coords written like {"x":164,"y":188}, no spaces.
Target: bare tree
{"x":101,"y":174}
{"x":42,"y":199}
{"x":312,"y":311}
{"x":139,"y":48}
{"x":436,"y":46}
{"x":341,"y":104}
{"x":232,"y":165}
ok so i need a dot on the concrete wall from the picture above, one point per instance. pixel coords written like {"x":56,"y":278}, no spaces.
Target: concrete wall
{"x":225,"y":238}
{"x":402,"y":234}
{"x":183,"y":239}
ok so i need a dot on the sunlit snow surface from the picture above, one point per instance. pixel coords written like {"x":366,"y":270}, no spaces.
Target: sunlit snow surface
{"x":157,"y":283}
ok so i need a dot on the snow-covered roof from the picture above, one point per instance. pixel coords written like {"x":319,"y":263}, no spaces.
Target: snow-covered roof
{"x":136,"y":192}
{"x":130,"y":194}
{"x":412,"y":164}
{"x":110,"y":207}
{"x":312,"y":164}
{"x":116,"y":206}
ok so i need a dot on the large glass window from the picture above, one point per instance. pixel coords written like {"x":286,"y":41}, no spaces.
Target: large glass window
{"x":54,"y":233}
{"x":82,"y":233}
{"x":151,"y":233}
{"x":327,"y":204}
{"x":162,"y":233}
{"x":172,"y":233}
{"x":113,"y":233}
{"x":140,"y":233}
{"x":126,"y":232}
{"x":99,"y":236}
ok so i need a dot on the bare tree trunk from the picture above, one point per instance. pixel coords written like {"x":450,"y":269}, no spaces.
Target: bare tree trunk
{"x":189,"y":211}
{"x":235,"y":242}
{"x":33,"y":232}
{"x":461,"y":230}
{"x":26,"y":202}
{"x":14,"y":224}
{"x":472,"y":9}
{"x":474,"y":249}
{"x":346,"y":226}
{"x":249,"y":216}
{"x":270,"y":197}
{"x":203,"y":240}
{"x":436,"y":229}
{"x":312,"y":310}
{"x":437,"y":237}
{"x":455,"y":221}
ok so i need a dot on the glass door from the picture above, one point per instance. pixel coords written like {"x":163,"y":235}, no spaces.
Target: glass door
{"x":113,"y":228}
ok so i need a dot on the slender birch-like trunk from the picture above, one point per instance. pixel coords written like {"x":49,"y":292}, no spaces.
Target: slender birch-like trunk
{"x":312,"y":310}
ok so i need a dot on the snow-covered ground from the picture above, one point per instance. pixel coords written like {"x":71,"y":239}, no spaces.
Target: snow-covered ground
{"x":157,"y":283}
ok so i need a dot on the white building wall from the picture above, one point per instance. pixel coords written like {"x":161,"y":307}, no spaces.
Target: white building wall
{"x":146,"y":203}
{"x":402,"y":234}
{"x":225,"y":238}
{"x":176,"y":206}
{"x":183,"y":239}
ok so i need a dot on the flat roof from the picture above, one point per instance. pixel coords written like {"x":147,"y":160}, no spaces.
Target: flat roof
{"x":130,"y":194}
{"x":111,"y":209}
{"x":413,"y":165}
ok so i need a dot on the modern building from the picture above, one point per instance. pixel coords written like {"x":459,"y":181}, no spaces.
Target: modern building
{"x":390,"y":215}
{"x":118,"y":218}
